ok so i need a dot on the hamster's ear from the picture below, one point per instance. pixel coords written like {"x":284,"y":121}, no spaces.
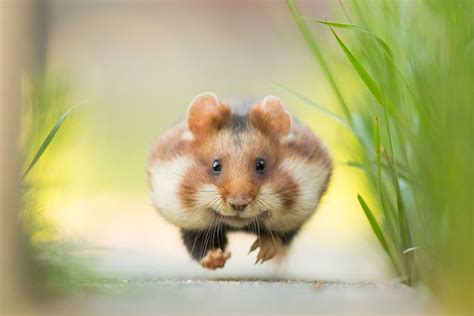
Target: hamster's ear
{"x":206,"y":114}
{"x":271,"y":117}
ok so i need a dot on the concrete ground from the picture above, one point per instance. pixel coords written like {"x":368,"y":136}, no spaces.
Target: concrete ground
{"x":218,"y":297}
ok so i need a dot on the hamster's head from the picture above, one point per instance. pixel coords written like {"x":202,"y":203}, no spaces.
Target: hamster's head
{"x":242,"y":169}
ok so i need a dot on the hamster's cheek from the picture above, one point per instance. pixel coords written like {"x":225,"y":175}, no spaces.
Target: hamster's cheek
{"x":268,"y":199}
{"x":311,"y":177}
{"x":298,"y":185}
{"x":198,"y":198}
{"x":167,"y":178}
{"x":274,"y":198}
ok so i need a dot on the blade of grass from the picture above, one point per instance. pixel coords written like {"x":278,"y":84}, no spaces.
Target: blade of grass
{"x":338,"y":24}
{"x":392,"y":162}
{"x":361,"y":71}
{"x":410,"y":250}
{"x":377,"y":149}
{"x":366,"y":166}
{"x":317,"y":106}
{"x":48,"y":139}
{"x":384,"y":203}
{"x":357,"y":28}
{"x":385,"y":47}
{"x":403,"y":225}
{"x":319,"y":57}
{"x":373,"y":223}
{"x":377,"y":231}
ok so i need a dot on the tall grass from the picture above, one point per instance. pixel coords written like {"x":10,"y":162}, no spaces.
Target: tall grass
{"x":44,"y":100}
{"x":46,"y":105}
{"x":414,"y":61}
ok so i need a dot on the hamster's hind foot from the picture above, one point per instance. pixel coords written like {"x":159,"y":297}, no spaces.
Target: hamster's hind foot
{"x":214,"y":259}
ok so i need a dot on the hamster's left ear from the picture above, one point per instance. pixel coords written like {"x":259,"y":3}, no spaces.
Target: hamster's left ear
{"x":271,"y":117}
{"x":206,"y":115}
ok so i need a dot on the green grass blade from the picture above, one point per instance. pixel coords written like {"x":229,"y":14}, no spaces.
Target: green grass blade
{"x":338,"y":24}
{"x":383,"y":44}
{"x":319,"y":57}
{"x":410,"y":250}
{"x":403,"y":225}
{"x":385,"y":166}
{"x":387,"y":210}
{"x":377,"y":150}
{"x":317,"y":106}
{"x":378,"y":232}
{"x":357,"y":164}
{"x":357,"y":28}
{"x":361,"y":71}
{"x":47,"y":140}
{"x":373,"y":224}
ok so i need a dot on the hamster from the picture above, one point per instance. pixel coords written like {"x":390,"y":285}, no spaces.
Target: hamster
{"x":241,"y":168}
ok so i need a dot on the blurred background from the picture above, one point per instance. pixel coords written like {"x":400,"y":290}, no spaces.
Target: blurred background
{"x":131,"y":68}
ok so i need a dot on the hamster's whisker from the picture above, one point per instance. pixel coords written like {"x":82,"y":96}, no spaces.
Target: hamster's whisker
{"x":220,"y":204}
{"x":258,"y":232}
{"x":211,"y":201}
{"x":207,"y":238}
{"x":271,"y":234}
{"x":195,"y":240}
{"x":254,"y":227}
{"x":201,"y":244}
{"x":213,"y":233}
{"x":220,"y":231}
{"x":220,"y":186}
{"x":261,"y":206}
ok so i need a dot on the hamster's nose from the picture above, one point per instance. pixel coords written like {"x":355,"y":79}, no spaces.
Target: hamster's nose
{"x":238,"y":203}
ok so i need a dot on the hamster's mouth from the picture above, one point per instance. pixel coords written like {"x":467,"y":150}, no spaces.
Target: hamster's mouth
{"x":239,"y":220}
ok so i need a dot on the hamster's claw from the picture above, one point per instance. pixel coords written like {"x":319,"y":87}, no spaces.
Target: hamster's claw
{"x":214,"y":259}
{"x":255,"y":245}
{"x":268,"y":248}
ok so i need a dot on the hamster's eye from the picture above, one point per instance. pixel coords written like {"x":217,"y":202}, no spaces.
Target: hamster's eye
{"x":260,"y":166}
{"x":217,"y":166}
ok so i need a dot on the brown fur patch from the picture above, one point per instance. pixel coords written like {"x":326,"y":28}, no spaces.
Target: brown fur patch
{"x":188,"y":188}
{"x":171,"y":144}
{"x":304,"y":144}
{"x":168,"y":146}
{"x":287,"y":189}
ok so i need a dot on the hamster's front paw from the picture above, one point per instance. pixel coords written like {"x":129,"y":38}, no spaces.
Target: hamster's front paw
{"x":269,"y":247}
{"x":214,"y":259}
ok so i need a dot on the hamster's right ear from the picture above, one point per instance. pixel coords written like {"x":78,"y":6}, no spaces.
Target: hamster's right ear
{"x":271,"y":117}
{"x":206,"y":115}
